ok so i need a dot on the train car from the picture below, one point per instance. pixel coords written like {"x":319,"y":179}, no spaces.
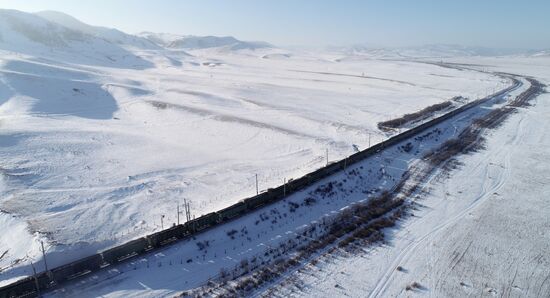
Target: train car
{"x":124,"y":251}
{"x":276,"y":193}
{"x":318,"y":174}
{"x":298,"y":184}
{"x":332,"y":168}
{"x":257,"y":201}
{"x":271,"y":196}
{"x":163,"y":237}
{"x":21,"y":288}
{"x":44,"y":280}
{"x":68,"y":271}
{"x":232,"y":211}
{"x":203,"y":222}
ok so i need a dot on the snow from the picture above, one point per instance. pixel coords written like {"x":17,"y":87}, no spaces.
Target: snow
{"x":109,"y":34}
{"x":483,"y":230}
{"x":101,"y":136}
{"x":175,"y":41}
{"x":29,"y":34}
{"x":185,"y":265}
{"x":87,"y":145}
{"x":433,"y":51}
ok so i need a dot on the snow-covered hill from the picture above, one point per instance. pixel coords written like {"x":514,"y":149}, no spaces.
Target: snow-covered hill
{"x":543,"y":53}
{"x":437,"y":51}
{"x":102,"y":134}
{"x":109,"y":34}
{"x":34,"y":35}
{"x":190,"y":42}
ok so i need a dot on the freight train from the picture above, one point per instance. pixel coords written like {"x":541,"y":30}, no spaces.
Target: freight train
{"x":33,"y":285}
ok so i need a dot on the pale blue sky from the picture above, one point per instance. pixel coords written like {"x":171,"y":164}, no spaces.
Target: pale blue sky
{"x":490,"y":23}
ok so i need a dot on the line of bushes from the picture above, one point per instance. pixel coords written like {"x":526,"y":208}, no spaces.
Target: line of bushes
{"x":416,"y":116}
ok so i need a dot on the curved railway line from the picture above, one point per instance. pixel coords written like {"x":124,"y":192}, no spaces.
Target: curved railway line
{"x":44,"y":281}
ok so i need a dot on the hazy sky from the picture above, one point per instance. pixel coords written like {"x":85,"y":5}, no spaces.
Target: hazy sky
{"x":491,"y":23}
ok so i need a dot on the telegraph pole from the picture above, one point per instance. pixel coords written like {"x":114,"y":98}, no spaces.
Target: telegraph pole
{"x":185,"y":207}
{"x":345,"y":162}
{"x":369,"y":139}
{"x":178,"y":210}
{"x":35,"y":279}
{"x":44,"y":255}
{"x":187,"y":210}
{"x":284,"y":187}
{"x":162,"y":222}
{"x":257,"y":190}
{"x":327,"y":156}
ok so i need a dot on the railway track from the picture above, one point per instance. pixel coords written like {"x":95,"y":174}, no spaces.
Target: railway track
{"x":45,"y":281}
{"x":470,"y":136}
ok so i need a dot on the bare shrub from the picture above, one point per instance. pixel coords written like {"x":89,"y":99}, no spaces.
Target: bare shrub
{"x":414,"y":117}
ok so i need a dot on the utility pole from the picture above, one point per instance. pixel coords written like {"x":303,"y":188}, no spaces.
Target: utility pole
{"x":44,"y":255}
{"x":369,"y":139}
{"x":178,"y":210}
{"x":284,"y":187}
{"x":257,"y":190}
{"x":185,"y":207}
{"x":187,"y":210}
{"x":162,"y":222}
{"x":345,"y":162}
{"x":35,"y":280}
{"x":327,"y":156}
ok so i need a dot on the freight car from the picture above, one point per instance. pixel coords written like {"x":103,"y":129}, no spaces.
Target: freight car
{"x":232,"y":211}
{"x":202,"y":222}
{"x":166,"y":236}
{"x":25,"y":287}
{"x":74,"y":269}
{"x":124,"y":251}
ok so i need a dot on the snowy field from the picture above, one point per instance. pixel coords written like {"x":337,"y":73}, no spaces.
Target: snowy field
{"x":482,"y":231}
{"x":99,"y":139}
{"x":257,"y":237}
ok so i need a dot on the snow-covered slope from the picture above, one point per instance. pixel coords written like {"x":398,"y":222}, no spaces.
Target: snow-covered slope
{"x":190,"y":42}
{"x":33,"y":35}
{"x":20,"y":29}
{"x":483,"y":231}
{"x":109,"y":34}
{"x":161,"y":39}
{"x":99,"y":139}
{"x":437,"y":51}
{"x":544,"y":53}
{"x":264,"y":235}
{"x":201,"y":42}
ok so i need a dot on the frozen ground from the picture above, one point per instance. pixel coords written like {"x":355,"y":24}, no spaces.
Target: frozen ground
{"x":261,"y":236}
{"x":100,"y":138}
{"x":482,"y":231}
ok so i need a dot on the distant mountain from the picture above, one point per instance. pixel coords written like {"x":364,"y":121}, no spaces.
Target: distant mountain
{"x":543,"y":53}
{"x":109,"y":34}
{"x":20,"y":29}
{"x":161,"y":39}
{"x":190,"y":42}
{"x":58,"y":36}
{"x":428,"y":51}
